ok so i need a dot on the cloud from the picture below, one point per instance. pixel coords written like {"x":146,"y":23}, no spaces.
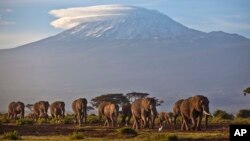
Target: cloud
{"x":70,"y":17}
{"x":6,"y":22}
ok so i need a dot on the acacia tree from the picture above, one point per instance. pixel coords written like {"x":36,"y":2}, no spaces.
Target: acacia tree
{"x":136,"y":95}
{"x":118,"y":98}
{"x":246,"y":91}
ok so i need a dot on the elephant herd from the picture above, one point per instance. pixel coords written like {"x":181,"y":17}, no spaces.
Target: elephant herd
{"x":143,"y":111}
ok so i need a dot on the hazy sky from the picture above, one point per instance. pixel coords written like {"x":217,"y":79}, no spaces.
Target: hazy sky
{"x":24,"y":21}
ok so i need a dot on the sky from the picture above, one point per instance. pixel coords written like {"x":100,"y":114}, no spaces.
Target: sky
{"x":25,"y":21}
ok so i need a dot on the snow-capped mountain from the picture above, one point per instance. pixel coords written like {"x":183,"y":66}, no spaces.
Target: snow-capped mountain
{"x":130,"y":24}
{"x":119,"y":48}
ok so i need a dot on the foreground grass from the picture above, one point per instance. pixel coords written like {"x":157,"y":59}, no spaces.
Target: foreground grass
{"x":144,"y":136}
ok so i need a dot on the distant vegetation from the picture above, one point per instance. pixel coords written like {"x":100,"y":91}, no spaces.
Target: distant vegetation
{"x":12,"y":135}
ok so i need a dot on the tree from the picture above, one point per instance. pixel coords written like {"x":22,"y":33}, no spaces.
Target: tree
{"x":113,"y":98}
{"x":244,"y":113}
{"x":136,"y":95}
{"x":246,"y":91}
{"x":89,"y":108}
{"x":158,"y":102}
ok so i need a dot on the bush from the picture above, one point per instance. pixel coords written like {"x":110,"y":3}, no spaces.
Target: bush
{"x":172,"y":138}
{"x":41,"y":120}
{"x":12,"y":135}
{"x":77,"y":136}
{"x":223,"y":115}
{"x":4,"y":120}
{"x":93,"y":119}
{"x":243,"y":113}
{"x":68,"y":120}
{"x":24,"y":122}
{"x":127,"y":132}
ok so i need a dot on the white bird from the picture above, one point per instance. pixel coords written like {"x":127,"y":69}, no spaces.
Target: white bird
{"x":160,"y":129}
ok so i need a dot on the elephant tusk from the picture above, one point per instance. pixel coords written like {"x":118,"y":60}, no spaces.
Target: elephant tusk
{"x":206,"y":113}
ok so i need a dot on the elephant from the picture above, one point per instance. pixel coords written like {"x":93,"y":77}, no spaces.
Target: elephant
{"x":126,"y":114}
{"x":79,"y":107}
{"x":176,"y":110}
{"x":193,"y":108}
{"x":171,"y":116}
{"x":164,"y":118}
{"x":144,"y":111}
{"x":16,"y":108}
{"x":40,"y":109}
{"x":57,"y":109}
{"x":110,"y":112}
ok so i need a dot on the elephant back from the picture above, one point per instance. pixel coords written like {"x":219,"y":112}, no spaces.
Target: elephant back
{"x":126,"y":109}
{"x":176,"y":107}
{"x":79,"y":104}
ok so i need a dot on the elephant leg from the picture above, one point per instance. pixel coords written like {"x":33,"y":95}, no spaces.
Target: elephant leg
{"x":175,"y":117}
{"x":198,"y":127}
{"x":123,"y":121}
{"x":85,"y":117}
{"x":135,"y":125}
{"x":194,"y":122}
{"x":206,"y":121}
{"x":185,"y":124}
{"x":128,"y":121}
{"x":75,"y":118}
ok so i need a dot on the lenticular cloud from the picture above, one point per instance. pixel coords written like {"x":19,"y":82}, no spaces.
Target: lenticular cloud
{"x":70,"y":17}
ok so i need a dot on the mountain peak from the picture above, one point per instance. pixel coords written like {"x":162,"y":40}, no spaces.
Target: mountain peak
{"x":123,"y":22}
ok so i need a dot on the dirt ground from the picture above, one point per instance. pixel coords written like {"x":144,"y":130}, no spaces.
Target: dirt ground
{"x":88,"y":130}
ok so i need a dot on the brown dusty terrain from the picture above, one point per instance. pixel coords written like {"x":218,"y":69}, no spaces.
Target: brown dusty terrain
{"x":88,"y":130}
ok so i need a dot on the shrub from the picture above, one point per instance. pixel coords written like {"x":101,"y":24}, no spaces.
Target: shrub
{"x":93,"y":119}
{"x":172,"y":138}
{"x":12,"y":135}
{"x":243,"y":113}
{"x":4,"y":120}
{"x":223,"y":114}
{"x":76,"y":136}
{"x":67,"y":120}
{"x":41,"y":120}
{"x":24,"y":121}
{"x":127,"y":132}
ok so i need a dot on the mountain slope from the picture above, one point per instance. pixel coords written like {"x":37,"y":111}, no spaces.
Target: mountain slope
{"x":135,"y":50}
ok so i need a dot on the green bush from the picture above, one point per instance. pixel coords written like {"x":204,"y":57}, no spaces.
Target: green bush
{"x":12,"y":135}
{"x":243,"y":113}
{"x":68,"y":120}
{"x":24,"y":121}
{"x":223,"y":115}
{"x":127,"y":132}
{"x":172,"y":138}
{"x":76,"y":136}
{"x":41,"y":121}
{"x":93,"y":119}
{"x":4,"y":120}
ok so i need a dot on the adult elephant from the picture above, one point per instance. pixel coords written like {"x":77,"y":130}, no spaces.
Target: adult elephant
{"x":144,"y":111}
{"x":16,"y":108}
{"x":126,"y":114}
{"x":110,"y":112}
{"x":40,"y":109}
{"x":57,"y":109}
{"x":192,"y":109}
{"x":79,"y":107}
{"x":164,"y":118}
{"x":176,"y":110}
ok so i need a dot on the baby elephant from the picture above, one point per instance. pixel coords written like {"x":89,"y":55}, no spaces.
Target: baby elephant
{"x":57,"y":109}
{"x":164,"y":118}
